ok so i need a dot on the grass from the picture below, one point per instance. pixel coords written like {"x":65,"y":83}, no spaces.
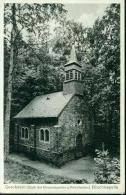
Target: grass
{"x":15,"y":173}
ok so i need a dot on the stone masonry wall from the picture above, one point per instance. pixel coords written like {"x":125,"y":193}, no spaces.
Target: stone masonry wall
{"x":73,"y":87}
{"x":77,"y":110}
{"x":75,"y":119}
{"x":34,"y":147}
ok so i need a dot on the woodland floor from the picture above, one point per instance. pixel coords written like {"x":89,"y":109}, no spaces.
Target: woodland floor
{"x":20,"y":170}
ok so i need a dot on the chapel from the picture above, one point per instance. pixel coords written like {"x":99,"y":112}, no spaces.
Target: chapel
{"x":57,"y":127}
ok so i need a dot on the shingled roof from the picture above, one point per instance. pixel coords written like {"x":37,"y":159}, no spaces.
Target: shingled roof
{"x":49,"y":105}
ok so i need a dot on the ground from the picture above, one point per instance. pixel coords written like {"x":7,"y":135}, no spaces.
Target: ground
{"x":19,"y":169}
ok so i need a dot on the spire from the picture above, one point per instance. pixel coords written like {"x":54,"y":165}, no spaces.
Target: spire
{"x":73,"y":56}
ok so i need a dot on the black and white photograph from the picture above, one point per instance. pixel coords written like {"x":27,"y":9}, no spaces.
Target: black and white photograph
{"x":63,"y":76}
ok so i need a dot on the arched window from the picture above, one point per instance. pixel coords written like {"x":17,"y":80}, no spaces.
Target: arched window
{"x":26,"y":133}
{"x":46,"y":135}
{"x":42,"y":135}
{"x":22,"y":132}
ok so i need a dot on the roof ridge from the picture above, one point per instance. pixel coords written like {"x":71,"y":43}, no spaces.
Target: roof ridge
{"x":48,"y":93}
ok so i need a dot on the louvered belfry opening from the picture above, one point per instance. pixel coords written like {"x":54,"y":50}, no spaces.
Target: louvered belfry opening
{"x":72,"y":83}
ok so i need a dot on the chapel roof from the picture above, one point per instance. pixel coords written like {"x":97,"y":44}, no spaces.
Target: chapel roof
{"x":49,"y":105}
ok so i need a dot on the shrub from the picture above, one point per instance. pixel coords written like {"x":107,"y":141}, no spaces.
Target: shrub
{"x":107,"y":168}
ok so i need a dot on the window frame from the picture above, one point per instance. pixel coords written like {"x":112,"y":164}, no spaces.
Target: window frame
{"x":26,"y":132}
{"x":44,"y":129}
{"x":24,"y":137}
{"x":47,"y":135}
{"x":40,"y":135}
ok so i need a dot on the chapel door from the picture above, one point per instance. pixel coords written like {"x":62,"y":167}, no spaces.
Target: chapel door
{"x":79,"y":145}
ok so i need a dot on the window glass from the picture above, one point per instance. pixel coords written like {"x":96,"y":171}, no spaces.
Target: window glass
{"x":22,"y":132}
{"x":26,"y":133}
{"x":42,"y":134}
{"x":46,"y":135}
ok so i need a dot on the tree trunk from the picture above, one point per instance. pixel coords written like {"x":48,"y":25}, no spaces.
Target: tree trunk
{"x":9,"y":87}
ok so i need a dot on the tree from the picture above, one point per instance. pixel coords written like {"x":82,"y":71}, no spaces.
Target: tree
{"x":99,"y":53}
{"x":105,"y":72}
{"x":39,"y":60}
{"x":8,"y":97}
{"x":19,"y":17}
{"x":107,"y":168}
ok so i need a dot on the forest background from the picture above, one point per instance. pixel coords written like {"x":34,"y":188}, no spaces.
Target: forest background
{"x":34,"y":59}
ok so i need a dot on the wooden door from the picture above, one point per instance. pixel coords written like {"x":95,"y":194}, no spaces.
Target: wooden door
{"x":79,"y":145}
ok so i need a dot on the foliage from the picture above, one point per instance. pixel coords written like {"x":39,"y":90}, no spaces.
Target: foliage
{"x":102,"y":76}
{"x":34,"y":77}
{"x":21,"y":20}
{"x":29,"y":56}
{"x":39,"y":61}
{"x":108,"y":169}
{"x":98,"y":50}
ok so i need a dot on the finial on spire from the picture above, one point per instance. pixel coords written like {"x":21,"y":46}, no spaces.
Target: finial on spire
{"x":73,"y":56}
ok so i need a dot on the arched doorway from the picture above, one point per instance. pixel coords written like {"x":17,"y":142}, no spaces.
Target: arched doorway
{"x":79,"y":145}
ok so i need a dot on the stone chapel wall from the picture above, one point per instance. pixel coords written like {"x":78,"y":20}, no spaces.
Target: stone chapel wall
{"x":75,"y":119}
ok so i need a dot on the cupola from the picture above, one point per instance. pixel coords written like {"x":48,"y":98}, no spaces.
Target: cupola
{"x":72,"y":82}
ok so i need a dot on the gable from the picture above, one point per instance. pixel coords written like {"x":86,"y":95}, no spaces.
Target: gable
{"x":77,"y":106}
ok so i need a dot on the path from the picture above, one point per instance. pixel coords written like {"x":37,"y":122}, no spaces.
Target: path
{"x":82,"y":168}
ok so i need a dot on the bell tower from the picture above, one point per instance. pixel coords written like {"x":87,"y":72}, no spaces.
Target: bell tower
{"x":72,"y":83}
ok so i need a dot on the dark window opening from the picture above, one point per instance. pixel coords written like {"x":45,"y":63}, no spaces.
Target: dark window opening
{"x":67,"y":75}
{"x":79,"y":122}
{"x":26,"y":133}
{"x":42,"y":134}
{"x":46,"y":135}
{"x":79,"y":76}
{"x":22,"y":132}
{"x":71,"y":74}
{"x":76,"y":74}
